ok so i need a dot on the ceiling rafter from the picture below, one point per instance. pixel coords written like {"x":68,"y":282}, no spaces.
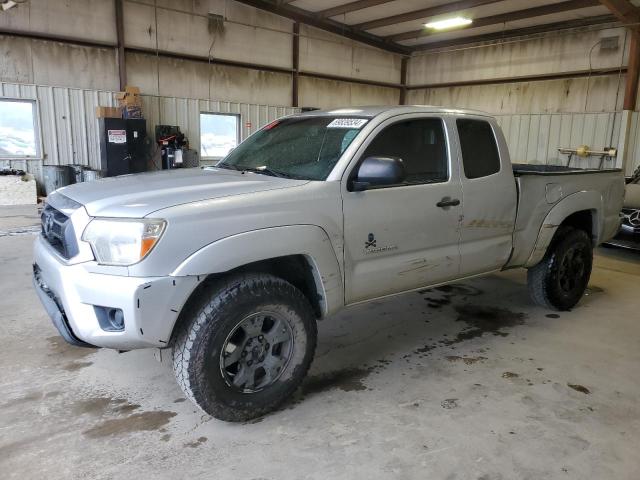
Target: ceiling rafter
{"x":321,"y":20}
{"x":308,"y":18}
{"x":504,"y":18}
{"x":626,"y":12}
{"x":449,"y":7}
{"x":350,"y":7}
{"x":518,"y":32}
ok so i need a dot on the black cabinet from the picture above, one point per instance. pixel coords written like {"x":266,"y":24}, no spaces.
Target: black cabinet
{"x":123,"y":146}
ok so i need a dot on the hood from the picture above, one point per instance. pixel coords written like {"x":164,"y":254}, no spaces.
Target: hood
{"x":141,"y":194}
{"x":632,"y":196}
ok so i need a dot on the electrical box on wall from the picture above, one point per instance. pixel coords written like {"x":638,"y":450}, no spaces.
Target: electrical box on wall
{"x":609,"y":43}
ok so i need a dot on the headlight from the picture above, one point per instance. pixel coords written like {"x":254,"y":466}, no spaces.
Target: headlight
{"x":122,"y":241}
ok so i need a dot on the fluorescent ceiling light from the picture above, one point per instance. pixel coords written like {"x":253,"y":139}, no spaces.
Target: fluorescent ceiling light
{"x":449,"y":23}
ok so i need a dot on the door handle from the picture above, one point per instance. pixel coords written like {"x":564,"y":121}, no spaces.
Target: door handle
{"x":448,"y":202}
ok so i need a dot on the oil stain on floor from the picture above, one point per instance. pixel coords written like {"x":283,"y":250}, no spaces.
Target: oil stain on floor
{"x":196,"y":443}
{"x":347,"y":380}
{"x":60,"y":348}
{"x":138,"y":422}
{"x":123,"y":420}
{"x":447,"y":292}
{"x":465,"y":360}
{"x":579,"y":388}
{"x":480,"y":319}
{"x":483,"y":319}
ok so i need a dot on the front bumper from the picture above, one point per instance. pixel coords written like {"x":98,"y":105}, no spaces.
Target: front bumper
{"x":150,"y":305}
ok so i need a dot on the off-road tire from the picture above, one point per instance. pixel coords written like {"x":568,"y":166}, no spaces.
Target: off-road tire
{"x":544,"y":279}
{"x":208,"y":320}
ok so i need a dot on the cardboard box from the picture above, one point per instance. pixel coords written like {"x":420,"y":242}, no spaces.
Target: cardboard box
{"x":132,"y":111}
{"x":132,"y":100}
{"x":125,"y":98}
{"x":108,"y":112}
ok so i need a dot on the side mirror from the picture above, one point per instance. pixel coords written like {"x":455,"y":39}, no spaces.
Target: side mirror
{"x":376,"y":171}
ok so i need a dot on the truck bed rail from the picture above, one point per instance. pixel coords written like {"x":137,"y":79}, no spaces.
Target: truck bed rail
{"x":540,"y":169}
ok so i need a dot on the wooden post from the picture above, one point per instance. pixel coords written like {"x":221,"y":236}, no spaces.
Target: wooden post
{"x":631,"y":89}
{"x":295,"y":63}
{"x":122,"y":64}
{"x":403,"y":80}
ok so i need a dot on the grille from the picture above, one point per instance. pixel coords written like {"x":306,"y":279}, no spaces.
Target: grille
{"x":57,"y":230}
{"x":631,"y":218}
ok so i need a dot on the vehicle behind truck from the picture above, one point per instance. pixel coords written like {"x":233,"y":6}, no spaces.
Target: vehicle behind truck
{"x":229,"y":268}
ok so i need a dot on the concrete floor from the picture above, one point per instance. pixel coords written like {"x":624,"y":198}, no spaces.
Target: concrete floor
{"x":472,"y":382}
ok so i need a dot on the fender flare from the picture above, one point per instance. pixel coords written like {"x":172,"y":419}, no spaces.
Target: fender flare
{"x":585,"y":200}
{"x":244,"y":248}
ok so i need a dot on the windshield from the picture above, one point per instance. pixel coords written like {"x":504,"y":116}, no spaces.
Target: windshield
{"x":297,"y":147}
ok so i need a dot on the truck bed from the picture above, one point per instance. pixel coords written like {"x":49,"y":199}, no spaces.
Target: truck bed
{"x":520,"y":169}
{"x":542,"y":187}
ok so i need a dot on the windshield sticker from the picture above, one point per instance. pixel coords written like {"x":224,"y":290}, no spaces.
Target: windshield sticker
{"x":347,"y":123}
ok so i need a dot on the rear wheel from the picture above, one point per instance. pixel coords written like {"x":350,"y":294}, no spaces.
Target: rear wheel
{"x":561,"y":277}
{"x":244,"y":346}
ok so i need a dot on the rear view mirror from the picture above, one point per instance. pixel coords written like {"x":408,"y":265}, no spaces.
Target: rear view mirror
{"x":378,"y":171}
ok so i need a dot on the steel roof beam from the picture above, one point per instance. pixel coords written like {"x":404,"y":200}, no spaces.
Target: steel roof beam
{"x":449,"y":7}
{"x":350,"y":7}
{"x":503,"y":18}
{"x":303,"y":16}
{"x":518,"y":32}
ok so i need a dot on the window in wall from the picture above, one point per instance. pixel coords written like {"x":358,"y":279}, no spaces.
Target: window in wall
{"x":480,"y":156}
{"x":18,"y":133}
{"x":420,"y":144}
{"x":219,"y":134}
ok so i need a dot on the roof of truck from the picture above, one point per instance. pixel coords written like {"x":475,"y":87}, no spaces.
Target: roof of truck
{"x":375,"y":110}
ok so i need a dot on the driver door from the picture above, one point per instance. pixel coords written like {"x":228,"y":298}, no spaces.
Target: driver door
{"x":405,"y":236}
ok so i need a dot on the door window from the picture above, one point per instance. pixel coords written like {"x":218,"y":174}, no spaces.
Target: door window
{"x":480,"y":156}
{"x":420,"y":143}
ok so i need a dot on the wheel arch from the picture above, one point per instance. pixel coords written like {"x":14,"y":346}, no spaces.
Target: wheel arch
{"x":300,"y":254}
{"x":580,"y":210}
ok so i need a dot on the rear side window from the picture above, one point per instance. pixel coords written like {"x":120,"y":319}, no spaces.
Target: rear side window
{"x":420,"y":144}
{"x":480,"y":156}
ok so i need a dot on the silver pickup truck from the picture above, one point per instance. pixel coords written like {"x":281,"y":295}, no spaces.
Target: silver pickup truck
{"x":230,"y":267}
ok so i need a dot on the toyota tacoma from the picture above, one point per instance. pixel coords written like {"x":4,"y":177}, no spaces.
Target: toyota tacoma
{"x":230,"y":267}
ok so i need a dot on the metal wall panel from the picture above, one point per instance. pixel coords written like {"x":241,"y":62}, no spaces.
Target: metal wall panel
{"x":535,"y":138}
{"x":68,"y":127}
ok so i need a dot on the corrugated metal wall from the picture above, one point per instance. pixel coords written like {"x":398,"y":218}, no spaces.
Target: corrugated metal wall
{"x":185,"y":112}
{"x":69,"y":127}
{"x":535,"y":138}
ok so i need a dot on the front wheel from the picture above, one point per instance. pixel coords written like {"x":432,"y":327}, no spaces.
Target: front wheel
{"x":244,"y":346}
{"x":561,"y":277}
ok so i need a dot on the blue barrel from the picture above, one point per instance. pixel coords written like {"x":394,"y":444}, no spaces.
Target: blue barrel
{"x":90,"y":175}
{"x":76,"y":173}
{"x":55,"y":176}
